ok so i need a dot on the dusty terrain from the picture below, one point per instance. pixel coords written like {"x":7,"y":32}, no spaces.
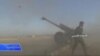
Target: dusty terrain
{"x":41,"y":46}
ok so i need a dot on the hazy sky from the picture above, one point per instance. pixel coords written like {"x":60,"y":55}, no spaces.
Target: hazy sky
{"x":24,"y":16}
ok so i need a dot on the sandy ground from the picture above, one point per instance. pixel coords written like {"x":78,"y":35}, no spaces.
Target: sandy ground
{"x":41,"y":45}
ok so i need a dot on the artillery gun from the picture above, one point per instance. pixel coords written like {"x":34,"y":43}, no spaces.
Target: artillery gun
{"x":62,"y":38}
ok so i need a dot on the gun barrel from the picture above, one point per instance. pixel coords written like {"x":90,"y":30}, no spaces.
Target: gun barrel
{"x":66,"y":28}
{"x":61,"y":26}
{"x":50,"y":21}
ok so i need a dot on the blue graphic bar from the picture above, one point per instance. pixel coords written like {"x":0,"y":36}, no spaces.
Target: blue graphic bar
{"x":10,"y":47}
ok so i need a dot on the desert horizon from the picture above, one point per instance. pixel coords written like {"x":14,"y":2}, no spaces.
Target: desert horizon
{"x":41,"y":45}
{"x":34,"y":23}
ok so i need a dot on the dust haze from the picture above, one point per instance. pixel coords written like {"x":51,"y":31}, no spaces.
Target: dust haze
{"x":20,"y":21}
